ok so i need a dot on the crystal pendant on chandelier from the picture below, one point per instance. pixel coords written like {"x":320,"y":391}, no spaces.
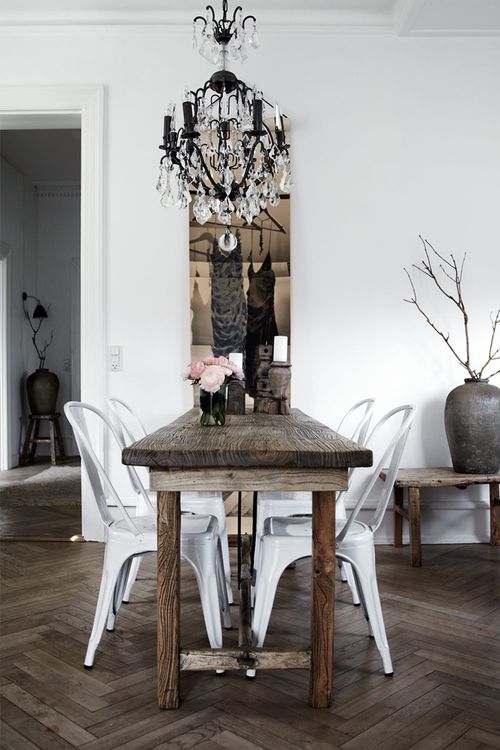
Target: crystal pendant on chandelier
{"x":224,"y":154}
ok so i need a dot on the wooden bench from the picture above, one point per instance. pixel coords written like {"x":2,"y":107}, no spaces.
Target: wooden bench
{"x":416,"y":479}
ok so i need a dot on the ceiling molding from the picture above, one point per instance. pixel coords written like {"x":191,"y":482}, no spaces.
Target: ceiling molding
{"x":268,"y":19}
{"x":405,"y":14}
{"x":454,"y":32}
{"x":61,"y":189}
{"x":400,"y":19}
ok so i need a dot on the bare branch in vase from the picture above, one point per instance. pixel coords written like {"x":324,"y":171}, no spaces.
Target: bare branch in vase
{"x":451,"y":270}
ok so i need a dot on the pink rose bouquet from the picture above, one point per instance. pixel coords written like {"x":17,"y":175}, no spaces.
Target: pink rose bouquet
{"x":212,"y":374}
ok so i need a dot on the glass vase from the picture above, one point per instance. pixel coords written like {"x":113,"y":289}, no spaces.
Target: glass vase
{"x":213,"y":407}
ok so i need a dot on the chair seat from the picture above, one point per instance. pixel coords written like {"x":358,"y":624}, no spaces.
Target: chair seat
{"x":204,"y":528}
{"x":301,"y":526}
{"x":145,"y":524}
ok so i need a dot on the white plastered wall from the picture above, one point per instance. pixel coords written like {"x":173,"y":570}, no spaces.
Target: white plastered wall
{"x":391,"y":138}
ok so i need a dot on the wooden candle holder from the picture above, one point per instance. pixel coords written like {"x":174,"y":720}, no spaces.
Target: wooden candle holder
{"x":273,"y":380}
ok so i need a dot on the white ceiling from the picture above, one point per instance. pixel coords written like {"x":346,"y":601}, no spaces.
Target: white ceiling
{"x":402,"y":17}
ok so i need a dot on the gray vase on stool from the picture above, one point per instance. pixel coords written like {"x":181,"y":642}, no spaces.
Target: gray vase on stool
{"x":42,"y":387}
{"x":472,"y":421}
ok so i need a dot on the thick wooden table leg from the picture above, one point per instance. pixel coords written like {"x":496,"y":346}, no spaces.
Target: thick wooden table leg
{"x":494,"y":513}
{"x":414,"y":520}
{"x":398,"y":518}
{"x":323,"y":596}
{"x":168,"y":627}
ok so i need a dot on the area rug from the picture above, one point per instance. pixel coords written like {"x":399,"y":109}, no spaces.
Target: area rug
{"x":57,"y":485}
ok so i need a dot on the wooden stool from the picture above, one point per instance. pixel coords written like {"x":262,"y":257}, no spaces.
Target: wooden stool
{"x":31,"y":440}
{"x":416,"y":479}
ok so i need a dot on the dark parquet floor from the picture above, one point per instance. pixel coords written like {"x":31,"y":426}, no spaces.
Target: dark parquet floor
{"x":443,"y":624}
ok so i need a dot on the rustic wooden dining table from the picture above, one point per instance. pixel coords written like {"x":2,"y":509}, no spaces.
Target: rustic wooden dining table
{"x":251,"y":452}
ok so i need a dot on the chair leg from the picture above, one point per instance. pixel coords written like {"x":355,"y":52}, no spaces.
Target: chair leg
{"x":113,"y":562}
{"x":342,"y":572}
{"x":222,"y":587}
{"x":59,"y":438}
{"x":363,"y":562}
{"x":36,"y":433}
{"x":52,"y":438}
{"x":227,"y":565}
{"x":25,"y":455}
{"x":352,"y":583}
{"x":134,"y":569}
{"x":256,"y":567}
{"x":203,"y":560}
{"x":274,"y":559}
{"x":116,"y":600}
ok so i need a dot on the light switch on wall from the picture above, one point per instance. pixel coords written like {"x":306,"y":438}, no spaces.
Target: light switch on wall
{"x":115,"y":358}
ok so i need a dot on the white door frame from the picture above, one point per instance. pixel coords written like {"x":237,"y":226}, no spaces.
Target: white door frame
{"x":4,"y":357}
{"x":88,"y":102}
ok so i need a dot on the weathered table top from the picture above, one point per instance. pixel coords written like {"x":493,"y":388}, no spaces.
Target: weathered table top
{"x":441,"y":476}
{"x":249,"y":440}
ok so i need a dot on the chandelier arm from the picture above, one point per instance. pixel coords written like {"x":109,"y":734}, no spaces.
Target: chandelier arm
{"x":203,"y":20}
{"x":248,"y":18}
{"x":238,"y":8}
{"x":209,"y":9}
{"x":202,"y":162}
{"x":248,"y":165}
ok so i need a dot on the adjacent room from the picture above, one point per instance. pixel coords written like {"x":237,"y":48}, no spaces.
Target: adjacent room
{"x":250,"y":374}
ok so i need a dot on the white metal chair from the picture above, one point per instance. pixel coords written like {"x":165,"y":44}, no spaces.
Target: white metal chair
{"x":288,"y":539}
{"x":358,"y":419}
{"x":129,"y":538}
{"x":130,"y":428}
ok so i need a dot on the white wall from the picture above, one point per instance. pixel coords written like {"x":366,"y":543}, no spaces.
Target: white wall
{"x":391,"y":138}
{"x":18,"y":235}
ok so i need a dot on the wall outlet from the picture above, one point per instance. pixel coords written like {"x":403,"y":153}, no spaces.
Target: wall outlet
{"x":115,"y":358}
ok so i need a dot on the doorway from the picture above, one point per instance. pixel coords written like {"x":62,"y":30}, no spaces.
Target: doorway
{"x":69,"y":108}
{"x":40,"y":179}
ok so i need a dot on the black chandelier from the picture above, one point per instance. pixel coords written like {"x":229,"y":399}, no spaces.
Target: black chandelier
{"x":224,"y":153}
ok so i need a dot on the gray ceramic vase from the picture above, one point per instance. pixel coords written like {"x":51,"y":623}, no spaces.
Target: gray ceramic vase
{"x":472,"y":421}
{"x":42,"y":387}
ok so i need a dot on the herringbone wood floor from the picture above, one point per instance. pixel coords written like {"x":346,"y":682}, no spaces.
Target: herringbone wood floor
{"x":442,"y":622}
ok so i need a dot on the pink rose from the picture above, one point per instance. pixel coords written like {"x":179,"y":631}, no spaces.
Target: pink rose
{"x":215,"y":361}
{"x":195,"y":370}
{"x":212,"y":378}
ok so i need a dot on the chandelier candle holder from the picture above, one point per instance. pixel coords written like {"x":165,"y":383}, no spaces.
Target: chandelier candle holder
{"x":224,"y":154}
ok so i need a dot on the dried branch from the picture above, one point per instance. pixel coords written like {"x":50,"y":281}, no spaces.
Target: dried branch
{"x":41,"y":351}
{"x":452,"y":271}
{"x":492,"y":355}
{"x":445,"y":337}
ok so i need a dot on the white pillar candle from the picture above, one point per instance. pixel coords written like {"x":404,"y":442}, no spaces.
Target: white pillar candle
{"x":280,"y":350}
{"x":237,"y":359}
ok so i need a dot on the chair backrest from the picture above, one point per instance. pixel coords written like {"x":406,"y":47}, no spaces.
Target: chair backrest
{"x":102,"y":487}
{"x":390,"y":456}
{"x":361,"y":413}
{"x":125,"y":420}
{"x":129,"y":428}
